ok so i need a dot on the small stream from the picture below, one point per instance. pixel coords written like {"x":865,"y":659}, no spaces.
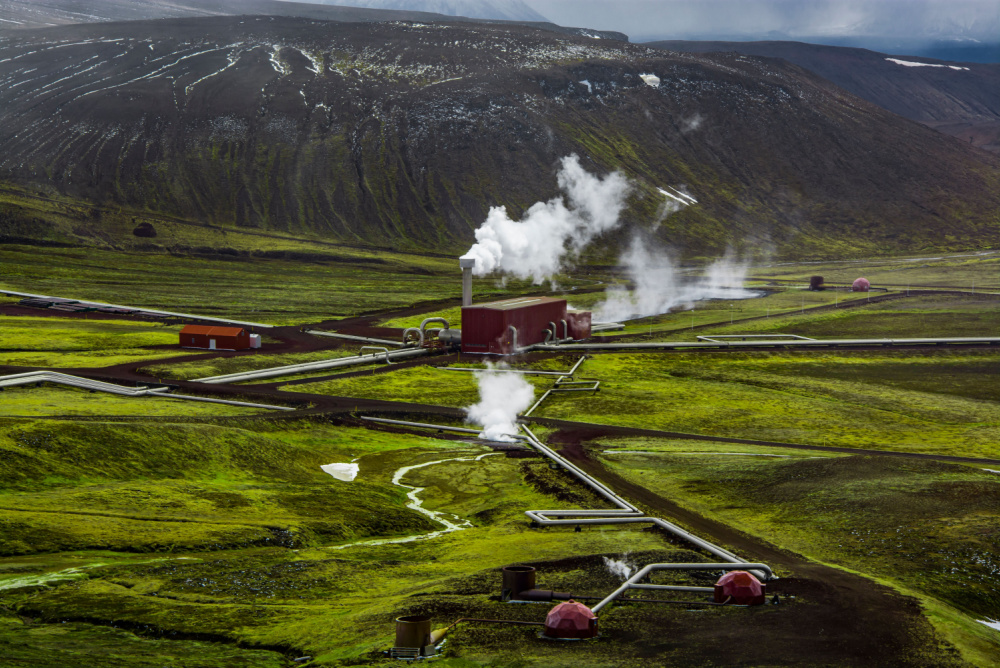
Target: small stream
{"x":417,"y":504}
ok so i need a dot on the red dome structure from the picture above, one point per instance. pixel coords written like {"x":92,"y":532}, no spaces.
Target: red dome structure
{"x":571,"y":620}
{"x":860,"y":285}
{"x":739,"y":588}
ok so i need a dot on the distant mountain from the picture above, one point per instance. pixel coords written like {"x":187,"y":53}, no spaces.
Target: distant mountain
{"x":27,"y":14}
{"x":504,"y":10}
{"x":405,"y":134}
{"x":962,"y":99}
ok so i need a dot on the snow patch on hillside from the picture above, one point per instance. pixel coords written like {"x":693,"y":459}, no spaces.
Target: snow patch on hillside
{"x":910,"y":63}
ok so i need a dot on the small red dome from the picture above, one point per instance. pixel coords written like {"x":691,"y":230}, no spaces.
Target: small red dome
{"x":571,"y":620}
{"x":860,"y":285}
{"x":740,"y":588}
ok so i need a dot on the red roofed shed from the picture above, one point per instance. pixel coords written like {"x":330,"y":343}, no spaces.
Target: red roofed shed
{"x":215,"y":338}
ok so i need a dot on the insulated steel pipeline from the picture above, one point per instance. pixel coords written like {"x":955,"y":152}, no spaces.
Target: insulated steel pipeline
{"x":624,"y":513}
{"x":794,"y":343}
{"x":172,"y":314}
{"x":99,"y":386}
{"x":294,"y":369}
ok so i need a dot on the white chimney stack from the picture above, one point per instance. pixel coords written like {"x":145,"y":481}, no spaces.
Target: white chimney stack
{"x":467,"y":264}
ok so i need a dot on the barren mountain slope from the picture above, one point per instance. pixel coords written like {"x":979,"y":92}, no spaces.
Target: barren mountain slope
{"x":407,"y":133}
{"x":962,"y":99}
{"x":26,"y":14}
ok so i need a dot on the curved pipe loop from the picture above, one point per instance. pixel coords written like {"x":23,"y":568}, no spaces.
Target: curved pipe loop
{"x":427,"y":321}
{"x":414,"y":332}
{"x":513,"y":339}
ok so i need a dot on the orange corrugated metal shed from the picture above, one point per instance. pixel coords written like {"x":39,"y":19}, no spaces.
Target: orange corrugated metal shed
{"x":213,"y":337}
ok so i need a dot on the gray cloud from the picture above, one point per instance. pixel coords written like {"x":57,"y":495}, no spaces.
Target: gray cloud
{"x":705,"y":19}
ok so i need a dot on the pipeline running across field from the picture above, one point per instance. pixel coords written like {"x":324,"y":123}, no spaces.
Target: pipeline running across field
{"x":623,"y":513}
{"x":56,"y":378}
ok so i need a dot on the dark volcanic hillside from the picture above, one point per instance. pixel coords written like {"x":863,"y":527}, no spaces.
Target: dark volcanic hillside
{"x":962,"y":99}
{"x":407,"y":133}
{"x":26,"y":14}
{"x":20,"y":14}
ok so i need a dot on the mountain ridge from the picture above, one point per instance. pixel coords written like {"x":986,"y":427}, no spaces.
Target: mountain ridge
{"x":406,"y":134}
{"x":18,"y":15}
{"x":961,"y":99}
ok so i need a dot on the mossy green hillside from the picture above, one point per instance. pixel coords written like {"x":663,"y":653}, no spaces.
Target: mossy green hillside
{"x":76,"y":645}
{"x":929,"y":402}
{"x":934,"y":403}
{"x":57,"y":400}
{"x":967,"y":271}
{"x":136,"y":487}
{"x":273,"y":289}
{"x":816,"y":315}
{"x":219,"y":366}
{"x":332,"y":603}
{"x":81,"y":342}
{"x":926,"y":527}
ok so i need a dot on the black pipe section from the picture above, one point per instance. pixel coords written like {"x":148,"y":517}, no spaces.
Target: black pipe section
{"x":542,"y":595}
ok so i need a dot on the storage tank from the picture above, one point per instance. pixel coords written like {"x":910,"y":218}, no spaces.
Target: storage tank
{"x":570,"y":621}
{"x":515,"y":580}
{"x":413,"y":631}
{"x":860,"y":285}
{"x":739,"y":588}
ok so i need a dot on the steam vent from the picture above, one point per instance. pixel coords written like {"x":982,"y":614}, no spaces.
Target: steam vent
{"x":571,"y":621}
{"x":739,"y":588}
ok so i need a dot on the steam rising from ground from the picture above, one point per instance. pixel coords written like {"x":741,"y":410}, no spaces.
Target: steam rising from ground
{"x":659,"y":287}
{"x":550,"y":232}
{"x":501,"y":397}
{"x":620,"y":568}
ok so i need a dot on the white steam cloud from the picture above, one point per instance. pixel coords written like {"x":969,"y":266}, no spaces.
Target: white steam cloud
{"x":659,"y":287}
{"x":501,"y":397}
{"x":550,"y":232}
{"x":620,"y":568}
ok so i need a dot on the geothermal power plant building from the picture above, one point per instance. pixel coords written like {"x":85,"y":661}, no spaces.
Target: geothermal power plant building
{"x":503,"y":327}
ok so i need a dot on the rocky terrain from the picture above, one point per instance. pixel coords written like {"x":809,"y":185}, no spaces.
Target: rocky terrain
{"x":405,"y":133}
{"x":961,"y":99}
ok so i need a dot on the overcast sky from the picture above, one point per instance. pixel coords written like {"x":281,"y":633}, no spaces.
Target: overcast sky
{"x":977,"y":19}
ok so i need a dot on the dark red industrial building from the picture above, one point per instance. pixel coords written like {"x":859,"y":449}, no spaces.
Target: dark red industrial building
{"x":501,"y":327}
{"x":218,"y":338}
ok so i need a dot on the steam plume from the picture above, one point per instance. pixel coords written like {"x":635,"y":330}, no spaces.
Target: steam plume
{"x":501,"y":397}
{"x":659,"y":287}
{"x":550,"y":232}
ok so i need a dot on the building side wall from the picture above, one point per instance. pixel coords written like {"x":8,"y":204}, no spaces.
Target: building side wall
{"x":241,"y":342}
{"x":579,"y":324}
{"x":482,"y":330}
{"x":532,"y":321}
